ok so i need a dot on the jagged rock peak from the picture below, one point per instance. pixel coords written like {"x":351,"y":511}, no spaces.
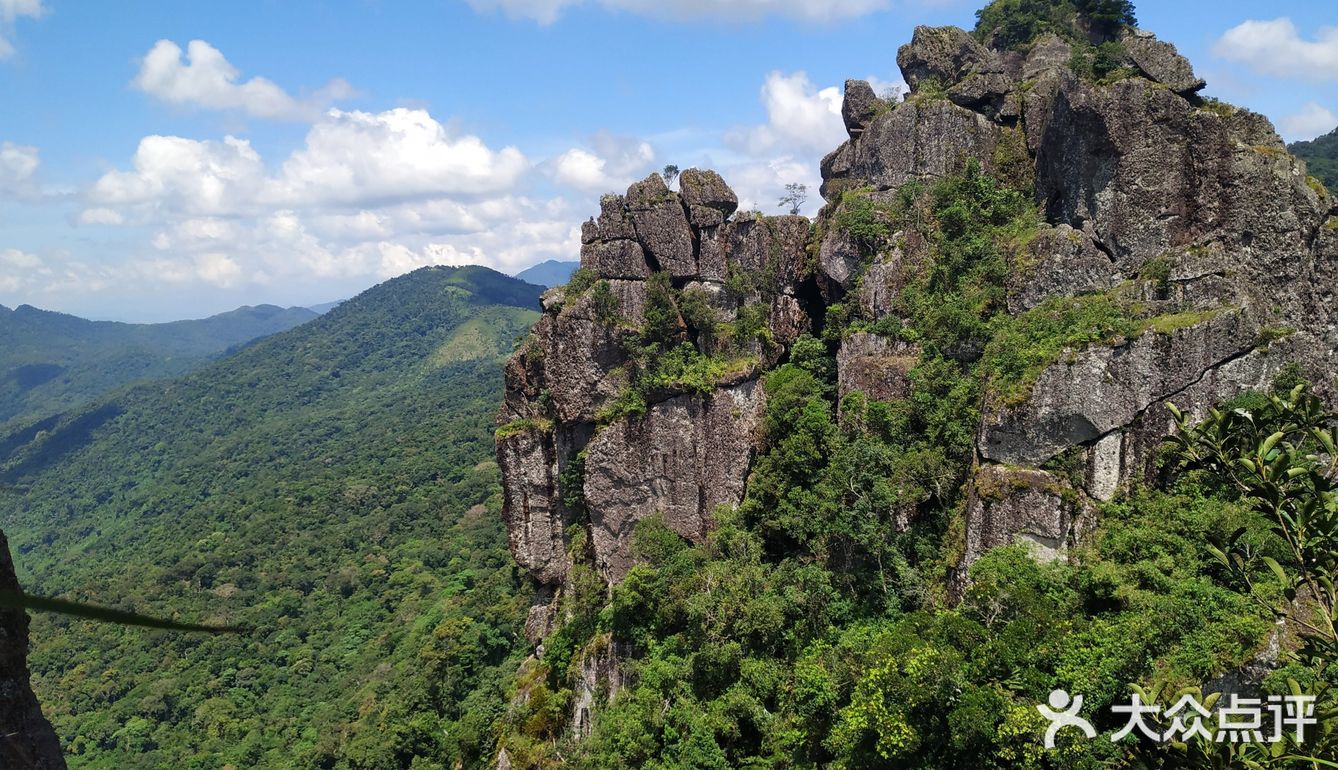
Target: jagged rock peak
{"x":595,"y":432}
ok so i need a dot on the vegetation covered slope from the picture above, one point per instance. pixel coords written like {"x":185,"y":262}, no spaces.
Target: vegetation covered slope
{"x":52,"y":362}
{"x":812,"y":630}
{"x":1321,"y":157}
{"x":330,"y":488}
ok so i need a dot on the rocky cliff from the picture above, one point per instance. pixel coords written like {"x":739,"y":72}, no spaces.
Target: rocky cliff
{"x":26,"y":738}
{"x":1189,"y":210}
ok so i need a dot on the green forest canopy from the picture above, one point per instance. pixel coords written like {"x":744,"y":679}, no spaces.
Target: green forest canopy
{"x":332,"y":488}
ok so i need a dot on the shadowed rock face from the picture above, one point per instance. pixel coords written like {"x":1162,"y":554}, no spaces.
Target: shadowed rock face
{"x":1134,"y":177}
{"x":26,"y":738}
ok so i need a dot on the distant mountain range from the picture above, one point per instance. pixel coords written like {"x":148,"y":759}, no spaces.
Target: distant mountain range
{"x":1321,"y":158}
{"x":551,"y":273}
{"x":52,"y":362}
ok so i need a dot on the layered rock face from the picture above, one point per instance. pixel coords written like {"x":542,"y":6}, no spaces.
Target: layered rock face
{"x":1191,"y":208}
{"x":1134,"y":176}
{"x":26,"y":738}
{"x":568,"y":457}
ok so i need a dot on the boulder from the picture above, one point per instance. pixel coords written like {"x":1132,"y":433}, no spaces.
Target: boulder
{"x":683,"y":459}
{"x":709,"y":200}
{"x":860,"y":107}
{"x":839,"y":258}
{"x":661,"y":227}
{"x":941,"y":54}
{"x":837,"y":168}
{"x":1161,"y":62}
{"x":613,"y":223}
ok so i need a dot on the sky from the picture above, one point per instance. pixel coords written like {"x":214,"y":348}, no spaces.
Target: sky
{"x":163,"y":159}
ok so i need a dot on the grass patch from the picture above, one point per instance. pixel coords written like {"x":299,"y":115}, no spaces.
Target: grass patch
{"x":516,"y":427}
{"x":1173,"y":322}
{"x":1024,"y":346}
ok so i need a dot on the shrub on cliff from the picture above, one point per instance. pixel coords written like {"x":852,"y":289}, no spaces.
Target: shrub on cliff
{"x":1016,"y":23}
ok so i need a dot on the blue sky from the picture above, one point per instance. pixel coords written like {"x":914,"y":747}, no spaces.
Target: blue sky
{"x":163,"y":160}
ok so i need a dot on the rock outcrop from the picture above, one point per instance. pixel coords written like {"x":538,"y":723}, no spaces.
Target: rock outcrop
{"x":1189,"y":209}
{"x":26,"y":738}
{"x":1192,"y":204}
{"x":570,"y":456}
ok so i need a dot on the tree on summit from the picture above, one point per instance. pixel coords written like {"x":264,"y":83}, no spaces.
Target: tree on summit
{"x":1016,"y":23}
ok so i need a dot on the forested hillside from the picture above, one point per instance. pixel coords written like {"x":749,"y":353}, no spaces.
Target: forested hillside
{"x":52,"y":362}
{"x":331,"y":489}
{"x":1020,"y":417}
{"x":1321,"y":157}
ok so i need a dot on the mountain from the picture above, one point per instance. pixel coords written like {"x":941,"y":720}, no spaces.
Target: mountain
{"x":549,"y":273}
{"x":52,"y":361}
{"x":325,"y":307}
{"x":1321,"y":157}
{"x":864,"y":492}
{"x":330,"y":488}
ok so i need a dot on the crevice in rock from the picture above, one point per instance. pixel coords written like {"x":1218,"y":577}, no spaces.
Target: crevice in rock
{"x":1139,"y":414}
{"x":809,"y":296}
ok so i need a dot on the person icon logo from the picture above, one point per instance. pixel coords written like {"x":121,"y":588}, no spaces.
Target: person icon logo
{"x":1063,"y":712}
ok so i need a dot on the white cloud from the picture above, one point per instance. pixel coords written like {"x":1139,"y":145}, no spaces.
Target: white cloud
{"x":367,"y":195}
{"x":799,"y":117}
{"x":10,"y":12}
{"x":354,"y":159}
{"x":19,"y":269}
{"x":100,"y":217}
{"x":207,"y":79}
{"x":548,"y":11}
{"x":359,"y":156}
{"x":1277,"y":48}
{"x":18,"y":165}
{"x":172,"y":174}
{"x":611,"y":164}
{"x":1313,"y":120}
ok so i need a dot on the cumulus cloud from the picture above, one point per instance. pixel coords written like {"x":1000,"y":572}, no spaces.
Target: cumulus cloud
{"x":206,"y":79}
{"x":367,"y":195}
{"x":10,"y":12}
{"x":1313,"y":120}
{"x":357,"y":156}
{"x":348,"y":159}
{"x":177,"y":175}
{"x":548,"y":11}
{"x":799,"y":116}
{"x":1277,"y":48}
{"x":611,"y":163}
